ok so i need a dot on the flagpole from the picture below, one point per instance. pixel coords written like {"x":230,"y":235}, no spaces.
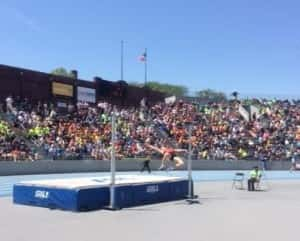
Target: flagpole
{"x":122,"y":59}
{"x":146,"y":60}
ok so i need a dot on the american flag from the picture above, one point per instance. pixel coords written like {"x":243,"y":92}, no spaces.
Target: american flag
{"x":143,"y":57}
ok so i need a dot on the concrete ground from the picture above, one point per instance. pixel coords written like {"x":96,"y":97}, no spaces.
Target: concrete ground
{"x":223,"y":214}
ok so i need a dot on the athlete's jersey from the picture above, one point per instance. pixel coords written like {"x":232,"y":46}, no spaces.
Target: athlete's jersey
{"x":169,"y":151}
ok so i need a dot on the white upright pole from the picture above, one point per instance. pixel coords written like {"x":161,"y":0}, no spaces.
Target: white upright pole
{"x":190,"y":194}
{"x":191,"y":197}
{"x":113,"y":160}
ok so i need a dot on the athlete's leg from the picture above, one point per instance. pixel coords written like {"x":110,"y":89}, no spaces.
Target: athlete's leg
{"x":166,"y":157}
{"x":178,"y":161}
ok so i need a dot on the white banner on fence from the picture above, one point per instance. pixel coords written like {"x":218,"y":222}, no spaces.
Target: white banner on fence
{"x":86,"y":94}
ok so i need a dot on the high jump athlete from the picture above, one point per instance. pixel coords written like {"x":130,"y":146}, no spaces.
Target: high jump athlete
{"x":168,"y":154}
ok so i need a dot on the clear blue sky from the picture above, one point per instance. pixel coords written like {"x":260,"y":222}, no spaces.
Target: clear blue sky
{"x":249,"y":46}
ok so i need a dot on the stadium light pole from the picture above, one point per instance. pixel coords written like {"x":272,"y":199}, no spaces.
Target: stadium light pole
{"x":113,"y":161}
{"x":145,"y":63}
{"x":122,"y":60}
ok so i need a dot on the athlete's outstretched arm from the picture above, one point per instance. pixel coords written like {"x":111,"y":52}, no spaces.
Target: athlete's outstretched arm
{"x":181,"y":150}
{"x":154,"y":148}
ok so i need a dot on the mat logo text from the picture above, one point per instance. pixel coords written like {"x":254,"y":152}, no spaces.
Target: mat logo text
{"x":41,"y":194}
{"x":152,"y":189}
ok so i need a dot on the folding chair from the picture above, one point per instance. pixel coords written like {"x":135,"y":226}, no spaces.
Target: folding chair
{"x":238,"y":178}
{"x":262,"y":184}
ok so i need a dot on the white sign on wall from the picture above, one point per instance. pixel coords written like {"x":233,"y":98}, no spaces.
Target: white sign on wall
{"x":86,"y":94}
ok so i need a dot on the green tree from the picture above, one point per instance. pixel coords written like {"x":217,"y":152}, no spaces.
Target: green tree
{"x":135,"y":83}
{"x":177,"y":90}
{"x":209,"y":94}
{"x":61,"y":71}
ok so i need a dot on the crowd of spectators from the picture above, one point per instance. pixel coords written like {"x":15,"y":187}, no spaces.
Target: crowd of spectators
{"x":219,"y":130}
{"x":11,"y":146}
